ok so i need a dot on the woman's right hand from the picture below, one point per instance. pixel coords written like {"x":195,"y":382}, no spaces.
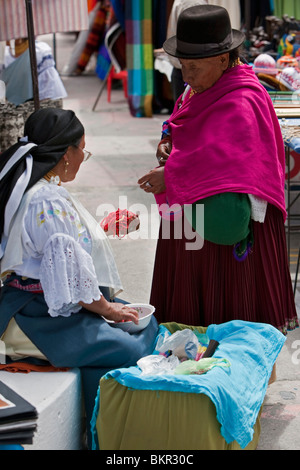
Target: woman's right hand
{"x":154,"y":181}
{"x":163,"y":151}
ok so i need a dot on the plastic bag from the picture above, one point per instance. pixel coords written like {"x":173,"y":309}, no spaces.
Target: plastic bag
{"x":200,"y":367}
{"x":183,"y":344}
{"x":158,"y":364}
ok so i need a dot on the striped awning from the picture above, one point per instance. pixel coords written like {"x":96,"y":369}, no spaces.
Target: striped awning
{"x":49,"y":16}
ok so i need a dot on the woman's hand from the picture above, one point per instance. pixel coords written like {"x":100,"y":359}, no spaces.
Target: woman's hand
{"x":118,"y":312}
{"x":163,"y":151}
{"x":114,"y":311}
{"x":154,"y":181}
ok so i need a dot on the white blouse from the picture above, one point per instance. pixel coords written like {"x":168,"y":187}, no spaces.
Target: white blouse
{"x":57,"y":250}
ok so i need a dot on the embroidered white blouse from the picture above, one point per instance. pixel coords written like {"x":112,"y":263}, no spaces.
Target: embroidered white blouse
{"x":57,"y":248}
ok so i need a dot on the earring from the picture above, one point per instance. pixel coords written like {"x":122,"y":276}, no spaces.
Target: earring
{"x":66,"y":167}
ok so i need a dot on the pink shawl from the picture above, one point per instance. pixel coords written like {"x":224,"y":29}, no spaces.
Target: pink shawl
{"x":226,"y":139}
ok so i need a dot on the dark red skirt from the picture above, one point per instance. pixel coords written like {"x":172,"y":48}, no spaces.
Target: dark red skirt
{"x":209,"y":285}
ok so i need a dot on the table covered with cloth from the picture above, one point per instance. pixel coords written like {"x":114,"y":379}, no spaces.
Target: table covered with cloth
{"x":290,"y":129}
{"x":216,"y":410}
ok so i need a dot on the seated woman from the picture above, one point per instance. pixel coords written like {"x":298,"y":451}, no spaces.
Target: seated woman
{"x":57,"y":268}
{"x":16,"y":73}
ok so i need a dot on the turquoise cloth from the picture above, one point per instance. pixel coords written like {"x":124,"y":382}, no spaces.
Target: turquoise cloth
{"x":238,"y":391}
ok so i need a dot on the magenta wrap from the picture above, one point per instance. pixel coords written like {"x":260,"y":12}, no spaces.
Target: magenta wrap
{"x":226,"y":139}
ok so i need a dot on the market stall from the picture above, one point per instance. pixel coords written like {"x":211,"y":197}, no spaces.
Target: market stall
{"x":23,"y":21}
{"x":214,"y":401}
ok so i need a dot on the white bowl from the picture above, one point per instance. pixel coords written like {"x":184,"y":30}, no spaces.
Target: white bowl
{"x":145,"y":312}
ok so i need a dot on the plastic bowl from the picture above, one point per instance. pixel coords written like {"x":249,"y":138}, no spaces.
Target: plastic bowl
{"x":145,"y":312}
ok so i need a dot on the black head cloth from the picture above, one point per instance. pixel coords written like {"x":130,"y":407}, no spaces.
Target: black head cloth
{"x":53,"y":130}
{"x":48,"y":133}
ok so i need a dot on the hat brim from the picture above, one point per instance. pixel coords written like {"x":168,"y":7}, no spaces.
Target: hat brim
{"x":265,"y":70}
{"x":287,"y":85}
{"x":270,"y":80}
{"x":170,"y":47}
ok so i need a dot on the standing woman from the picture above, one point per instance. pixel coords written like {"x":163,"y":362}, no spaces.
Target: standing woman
{"x":57,"y":267}
{"x":222,"y":148}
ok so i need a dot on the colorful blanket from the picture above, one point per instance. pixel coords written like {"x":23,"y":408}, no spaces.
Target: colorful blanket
{"x":139,"y":56}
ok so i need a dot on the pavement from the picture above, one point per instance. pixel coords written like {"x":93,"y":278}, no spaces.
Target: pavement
{"x":123,"y":150}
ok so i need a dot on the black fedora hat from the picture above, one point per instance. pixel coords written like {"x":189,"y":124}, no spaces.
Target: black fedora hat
{"x":203,"y":31}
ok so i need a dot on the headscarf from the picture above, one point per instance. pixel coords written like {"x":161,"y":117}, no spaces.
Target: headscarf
{"x":48,"y":133}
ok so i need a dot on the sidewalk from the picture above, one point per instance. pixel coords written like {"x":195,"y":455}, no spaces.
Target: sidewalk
{"x":123,"y":149}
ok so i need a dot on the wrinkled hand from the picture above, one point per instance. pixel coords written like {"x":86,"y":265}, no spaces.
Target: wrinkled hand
{"x":154,"y":181}
{"x":118,"y":312}
{"x":115,"y":311}
{"x":163,"y":151}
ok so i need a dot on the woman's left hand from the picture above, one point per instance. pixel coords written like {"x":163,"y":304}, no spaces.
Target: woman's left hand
{"x":154,"y":181}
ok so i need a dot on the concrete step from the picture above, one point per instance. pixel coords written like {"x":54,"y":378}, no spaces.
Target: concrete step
{"x":57,"y":396}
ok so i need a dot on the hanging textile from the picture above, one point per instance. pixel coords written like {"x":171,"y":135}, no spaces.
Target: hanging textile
{"x":287,"y":7}
{"x":162,"y":89}
{"x":139,"y":56}
{"x":115,"y":14}
{"x":96,"y":35}
{"x":91,"y":5}
{"x":119,"y":10}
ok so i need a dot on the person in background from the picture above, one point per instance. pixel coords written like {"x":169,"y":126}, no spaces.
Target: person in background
{"x":59,"y":276}
{"x":234,"y":10}
{"x":177,"y":81}
{"x":221,"y":150}
{"x":16,"y":73}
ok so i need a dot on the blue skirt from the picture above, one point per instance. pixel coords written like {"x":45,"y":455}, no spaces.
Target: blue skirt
{"x":83,"y":340}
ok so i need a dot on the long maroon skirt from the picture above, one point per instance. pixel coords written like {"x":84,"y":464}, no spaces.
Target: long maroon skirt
{"x":210,"y":286}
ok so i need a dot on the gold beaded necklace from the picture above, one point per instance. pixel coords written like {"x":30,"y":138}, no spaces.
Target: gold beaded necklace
{"x":20,"y":46}
{"x":50,"y":175}
{"x":235,"y":63}
{"x":192,"y":92}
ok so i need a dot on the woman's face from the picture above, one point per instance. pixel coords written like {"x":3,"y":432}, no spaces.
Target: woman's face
{"x":202,"y":74}
{"x":72,"y":161}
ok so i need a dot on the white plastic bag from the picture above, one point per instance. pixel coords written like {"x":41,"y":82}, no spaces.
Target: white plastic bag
{"x":158,"y":364}
{"x":183,"y":344}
